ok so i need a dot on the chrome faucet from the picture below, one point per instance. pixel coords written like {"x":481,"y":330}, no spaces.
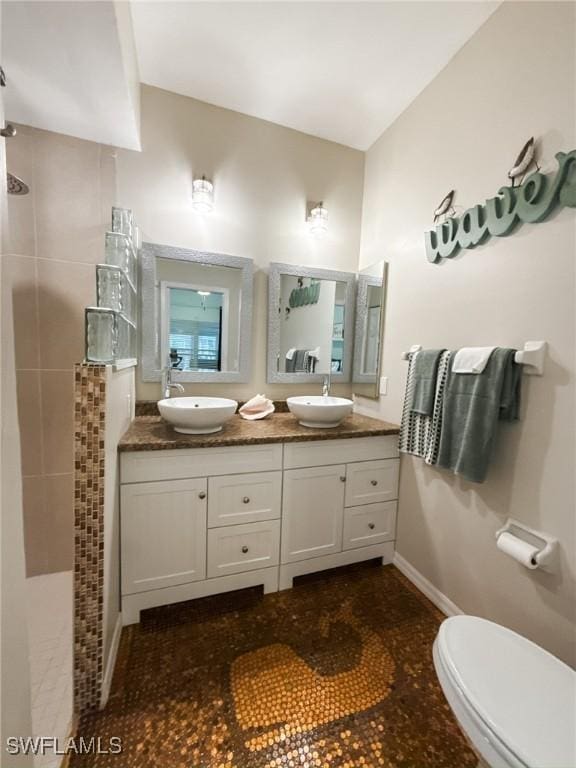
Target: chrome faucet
{"x":167,"y":384}
{"x":326,"y":386}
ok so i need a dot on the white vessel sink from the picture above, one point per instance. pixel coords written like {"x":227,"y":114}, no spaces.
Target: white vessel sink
{"x":197,"y":415}
{"x":319,"y":411}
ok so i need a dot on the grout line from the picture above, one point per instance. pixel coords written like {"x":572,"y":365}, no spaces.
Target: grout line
{"x":55,"y":261}
{"x":45,"y":370}
{"x":41,"y":403}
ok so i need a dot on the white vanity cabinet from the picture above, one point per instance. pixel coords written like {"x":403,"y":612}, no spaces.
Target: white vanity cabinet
{"x":200,"y":521}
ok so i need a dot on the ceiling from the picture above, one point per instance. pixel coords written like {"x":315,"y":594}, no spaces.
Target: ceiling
{"x":71,"y":68}
{"x":342,"y":71}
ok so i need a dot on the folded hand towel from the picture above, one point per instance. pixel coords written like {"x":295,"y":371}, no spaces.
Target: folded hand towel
{"x":257,"y":408}
{"x":425,"y":369}
{"x":471,"y":359}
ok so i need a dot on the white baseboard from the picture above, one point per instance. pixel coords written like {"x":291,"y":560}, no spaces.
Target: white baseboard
{"x":111,"y":662}
{"x":433,"y":594}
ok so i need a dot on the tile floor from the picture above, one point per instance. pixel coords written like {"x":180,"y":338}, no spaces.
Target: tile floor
{"x":50,"y":638}
{"x":335,"y":673}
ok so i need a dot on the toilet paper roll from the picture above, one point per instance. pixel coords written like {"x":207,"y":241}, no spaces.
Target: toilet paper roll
{"x":520,"y":550}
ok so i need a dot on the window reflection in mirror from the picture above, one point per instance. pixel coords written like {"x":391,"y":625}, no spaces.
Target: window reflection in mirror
{"x":370,"y":307}
{"x":312,"y":321}
{"x":199,"y":315}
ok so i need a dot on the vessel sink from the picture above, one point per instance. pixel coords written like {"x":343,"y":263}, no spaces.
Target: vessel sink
{"x":319,"y":411}
{"x":197,"y":415}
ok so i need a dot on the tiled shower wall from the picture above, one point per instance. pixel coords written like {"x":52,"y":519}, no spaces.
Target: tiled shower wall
{"x":55,"y":238}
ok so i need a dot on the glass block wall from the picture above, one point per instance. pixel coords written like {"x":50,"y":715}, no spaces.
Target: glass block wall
{"x":111,"y":325}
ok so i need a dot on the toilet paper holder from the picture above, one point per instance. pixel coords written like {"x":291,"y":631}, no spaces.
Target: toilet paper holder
{"x":546,"y":545}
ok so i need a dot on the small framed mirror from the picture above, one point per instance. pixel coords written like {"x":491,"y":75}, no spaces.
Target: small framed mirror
{"x":196,"y":314}
{"x":369,"y":329}
{"x":310,"y":324}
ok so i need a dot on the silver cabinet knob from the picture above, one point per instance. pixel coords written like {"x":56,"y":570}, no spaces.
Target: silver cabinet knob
{"x":202,"y":495}
{"x":244,"y":549}
{"x":246,"y":500}
{"x":371,"y":526}
{"x":373,"y":482}
{"x":342,"y":478}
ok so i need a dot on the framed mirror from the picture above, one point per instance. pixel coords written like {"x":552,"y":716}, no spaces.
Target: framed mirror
{"x":196,"y":314}
{"x":310,"y":324}
{"x":369,"y":329}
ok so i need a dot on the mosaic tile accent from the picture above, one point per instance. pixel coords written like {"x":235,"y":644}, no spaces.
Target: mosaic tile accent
{"x":336,"y":672}
{"x":89,"y":421}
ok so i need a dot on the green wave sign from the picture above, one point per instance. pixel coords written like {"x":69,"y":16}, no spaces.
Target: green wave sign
{"x":530,"y":203}
{"x":299,"y":297}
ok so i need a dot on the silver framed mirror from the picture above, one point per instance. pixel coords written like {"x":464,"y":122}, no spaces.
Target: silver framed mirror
{"x":310,"y":324}
{"x":196,"y":314}
{"x":369,"y":329}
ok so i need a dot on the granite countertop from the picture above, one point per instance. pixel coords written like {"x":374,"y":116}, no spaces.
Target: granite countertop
{"x":152,"y":433}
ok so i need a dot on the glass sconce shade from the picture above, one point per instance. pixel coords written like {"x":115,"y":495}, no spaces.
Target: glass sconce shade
{"x":318,"y":220}
{"x":202,"y":195}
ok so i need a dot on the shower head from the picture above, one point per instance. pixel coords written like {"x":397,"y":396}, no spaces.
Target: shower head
{"x":16,"y":186}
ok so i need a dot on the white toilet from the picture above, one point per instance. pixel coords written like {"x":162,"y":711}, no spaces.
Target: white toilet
{"x":515,"y":701}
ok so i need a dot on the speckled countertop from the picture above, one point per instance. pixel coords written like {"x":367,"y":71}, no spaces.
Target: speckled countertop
{"x":152,"y":433}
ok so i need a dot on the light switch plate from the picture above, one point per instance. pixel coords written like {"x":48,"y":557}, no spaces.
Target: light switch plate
{"x":384,"y":385}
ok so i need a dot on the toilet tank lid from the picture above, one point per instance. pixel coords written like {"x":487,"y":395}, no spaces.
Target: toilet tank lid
{"x":526,"y":696}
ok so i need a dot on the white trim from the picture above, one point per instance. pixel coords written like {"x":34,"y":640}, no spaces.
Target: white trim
{"x":433,"y":594}
{"x":111,"y":663}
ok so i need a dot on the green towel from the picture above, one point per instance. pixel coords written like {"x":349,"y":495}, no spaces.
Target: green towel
{"x":473,"y":405}
{"x":425,"y":370}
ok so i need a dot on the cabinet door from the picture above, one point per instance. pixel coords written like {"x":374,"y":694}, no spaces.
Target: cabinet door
{"x":312,"y":511}
{"x":369,"y":482}
{"x":163,"y":534}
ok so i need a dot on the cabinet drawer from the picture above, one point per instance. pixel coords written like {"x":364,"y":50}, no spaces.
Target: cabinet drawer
{"x":143,"y":466}
{"x":368,"y":482}
{"x":234,"y":499}
{"x":323,"y":452}
{"x":238,"y":548}
{"x":369,"y":524}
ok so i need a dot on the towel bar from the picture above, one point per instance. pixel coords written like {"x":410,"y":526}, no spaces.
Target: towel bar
{"x":531,"y":357}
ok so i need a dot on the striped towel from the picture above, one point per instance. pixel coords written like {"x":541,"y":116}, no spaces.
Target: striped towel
{"x":419,"y":434}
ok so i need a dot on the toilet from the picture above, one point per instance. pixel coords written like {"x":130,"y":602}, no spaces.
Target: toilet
{"x":515,"y":702}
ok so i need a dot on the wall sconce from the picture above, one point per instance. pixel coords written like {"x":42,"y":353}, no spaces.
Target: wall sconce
{"x":202,"y":195}
{"x":318,"y":219}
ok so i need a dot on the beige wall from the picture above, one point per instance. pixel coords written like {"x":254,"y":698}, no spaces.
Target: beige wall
{"x":514,"y":78}
{"x":263,"y":176}
{"x":56,"y":237}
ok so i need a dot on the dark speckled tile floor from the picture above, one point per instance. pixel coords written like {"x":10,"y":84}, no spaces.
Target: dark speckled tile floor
{"x":336,"y":673}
